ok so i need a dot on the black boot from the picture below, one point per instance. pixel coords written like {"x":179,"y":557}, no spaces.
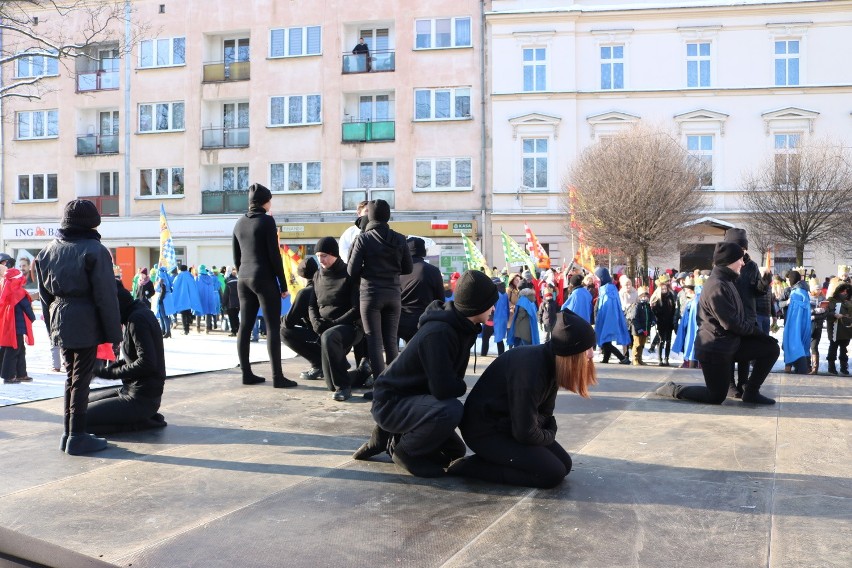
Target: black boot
{"x":832,"y":367}
{"x":844,"y":367}
{"x":79,"y":444}
{"x":377,"y":444}
{"x":418,"y":466}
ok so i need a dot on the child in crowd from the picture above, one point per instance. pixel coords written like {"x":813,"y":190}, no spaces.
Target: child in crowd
{"x":16,"y":317}
{"x":641,"y":319}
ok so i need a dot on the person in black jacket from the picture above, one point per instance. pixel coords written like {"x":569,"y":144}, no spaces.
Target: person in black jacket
{"x":363,"y":50}
{"x":296,"y":330}
{"x":664,"y":306}
{"x":76,"y":286}
{"x":508,"y":415}
{"x":415,"y":400}
{"x":145,"y":288}
{"x":134,"y":405}
{"x":262,"y":283}
{"x":335,"y":318}
{"x":379,"y":256}
{"x":724,"y":336}
{"x":232,"y":301}
{"x":419,"y":289}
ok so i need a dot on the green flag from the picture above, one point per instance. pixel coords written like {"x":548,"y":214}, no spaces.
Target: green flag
{"x":473,"y":256}
{"x":514,"y":253}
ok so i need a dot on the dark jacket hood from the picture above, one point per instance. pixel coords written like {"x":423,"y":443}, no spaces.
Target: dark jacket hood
{"x":603,"y":275}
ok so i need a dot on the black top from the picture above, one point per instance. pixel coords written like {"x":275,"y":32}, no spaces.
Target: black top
{"x":256,"y":253}
{"x":378,"y":256}
{"x":750,"y":286}
{"x":721,"y":318}
{"x":298,"y":315}
{"x":232,"y":298}
{"x":420,"y":288}
{"x":336,"y":298}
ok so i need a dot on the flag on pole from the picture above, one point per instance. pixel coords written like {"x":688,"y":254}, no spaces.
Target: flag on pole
{"x":291,"y":259}
{"x":585,"y":258}
{"x":473,"y":256}
{"x":535,"y":248}
{"x":168,"y":259}
{"x":513,"y":252}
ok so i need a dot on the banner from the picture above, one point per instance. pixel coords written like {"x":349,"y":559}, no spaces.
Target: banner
{"x":291,"y":259}
{"x":514,"y":253}
{"x":535,"y":248}
{"x":473,"y":256}
{"x":168,"y":259}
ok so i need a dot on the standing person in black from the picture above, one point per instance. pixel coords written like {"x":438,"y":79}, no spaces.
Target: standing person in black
{"x":258,"y":261}
{"x":77,"y":290}
{"x":296,"y":330}
{"x":232,"y":301}
{"x":378,"y":257}
{"x":664,"y":306}
{"x":419,"y":289}
{"x":335,"y":317}
{"x":508,"y":415}
{"x":363,"y":49}
{"x":724,"y":336}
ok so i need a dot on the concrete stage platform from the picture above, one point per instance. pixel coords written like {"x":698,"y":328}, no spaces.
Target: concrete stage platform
{"x":258,"y":477}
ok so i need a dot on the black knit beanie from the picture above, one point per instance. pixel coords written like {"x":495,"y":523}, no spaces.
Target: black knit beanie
{"x":258,"y":195}
{"x":737,"y":236}
{"x":475,"y":293}
{"x":416,"y":246}
{"x":80,"y":213}
{"x":328,"y":245}
{"x":571,"y":334}
{"x":727,"y":253}
{"x":378,"y":210}
{"x":307,"y":268}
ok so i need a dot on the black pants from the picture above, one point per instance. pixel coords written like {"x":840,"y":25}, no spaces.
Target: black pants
{"x":186,"y":320}
{"x":304,"y":342}
{"x":718,"y":369}
{"x":111,"y":410}
{"x":664,"y":346}
{"x":407,"y":326}
{"x":609,"y":350}
{"x":380,"y":309}
{"x":14,"y":360}
{"x":234,"y":319}
{"x":79,"y":366}
{"x":502,"y":459}
{"x":260,"y":293}
{"x":423,"y":422}
{"x":487,"y":334}
{"x":335,"y":344}
{"x":843,"y":344}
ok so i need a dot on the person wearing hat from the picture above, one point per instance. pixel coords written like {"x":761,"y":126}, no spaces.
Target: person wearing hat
{"x":16,"y":327}
{"x":664,"y":306}
{"x":580,"y":301}
{"x":296,"y":330}
{"x":415,"y":400}
{"x":418,"y":289}
{"x":262,"y":283}
{"x":797,"y":325}
{"x":687,"y":330}
{"x":523,"y":329}
{"x":610,"y":324}
{"x":725,"y":336}
{"x":185,"y":298}
{"x":640,"y":319}
{"x":231,"y":300}
{"x":77,"y":292}
{"x":508,"y":415}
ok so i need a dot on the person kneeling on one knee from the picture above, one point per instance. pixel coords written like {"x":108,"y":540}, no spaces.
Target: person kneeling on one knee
{"x":508,"y":415}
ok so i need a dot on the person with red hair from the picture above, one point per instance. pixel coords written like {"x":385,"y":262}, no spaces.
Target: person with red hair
{"x":16,"y":318}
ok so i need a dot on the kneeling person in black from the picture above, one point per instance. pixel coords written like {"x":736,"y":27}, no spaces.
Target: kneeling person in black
{"x":134,"y":405}
{"x":296,"y":330}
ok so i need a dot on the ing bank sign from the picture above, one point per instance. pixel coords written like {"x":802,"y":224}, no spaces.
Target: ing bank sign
{"x":29,"y":232}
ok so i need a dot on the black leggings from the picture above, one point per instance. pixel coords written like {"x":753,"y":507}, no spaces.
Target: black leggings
{"x":380,"y":309}
{"x":609,"y":350}
{"x":664,"y":338}
{"x":260,"y":293}
{"x":502,"y":459}
{"x":80,"y":366}
{"x":487,"y":333}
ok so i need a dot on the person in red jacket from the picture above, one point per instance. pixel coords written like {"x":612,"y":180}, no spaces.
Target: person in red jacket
{"x":16,"y":317}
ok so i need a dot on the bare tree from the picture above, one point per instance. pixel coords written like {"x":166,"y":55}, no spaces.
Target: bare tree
{"x":802,"y":196}
{"x":636,"y":192}
{"x":760,"y":239}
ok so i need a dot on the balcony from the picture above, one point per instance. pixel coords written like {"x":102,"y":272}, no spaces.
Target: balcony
{"x":369,"y":131}
{"x":97,"y":81}
{"x":224,"y":138}
{"x":351,"y":197}
{"x":107,"y":204}
{"x":227,"y":71}
{"x":379,"y":61}
{"x":97,"y":145}
{"x":218,"y":202}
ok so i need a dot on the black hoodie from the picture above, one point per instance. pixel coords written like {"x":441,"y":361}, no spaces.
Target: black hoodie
{"x":378,"y":256}
{"x":434,"y":361}
{"x":335,"y":298}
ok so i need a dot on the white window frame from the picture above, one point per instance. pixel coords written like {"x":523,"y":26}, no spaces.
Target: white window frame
{"x":787,"y":150}
{"x":536,"y":155}
{"x":613,"y":61}
{"x":286,"y":42}
{"x":285,"y":187}
{"x":699,"y":152}
{"x":47,"y":62}
{"x":454,"y":95}
{"x":433,"y":23}
{"x":534,"y":64}
{"x":786,"y":58}
{"x":45,"y":185}
{"x":171,"y":117}
{"x":698,"y":59}
{"x":114,"y":182}
{"x":433,"y":167}
{"x":45,"y":120}
{"x":171,"y":193}
{"x":236,"y":168}
{"x":286,"y":111}
{"x":155,"y":47}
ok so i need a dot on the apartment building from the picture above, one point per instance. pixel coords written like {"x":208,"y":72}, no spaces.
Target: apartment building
{"x":737,"y":82}
{"x":216,"y":96}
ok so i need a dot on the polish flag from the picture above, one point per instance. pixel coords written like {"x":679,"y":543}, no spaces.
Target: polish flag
{"x":440,"y":224}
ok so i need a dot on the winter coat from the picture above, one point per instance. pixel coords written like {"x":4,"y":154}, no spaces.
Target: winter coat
{"x":232,"y":298}
{"x":16,"y":311}
{"x":422,"y":286}
{"x":77,"y":291}
{"x":255,"y":246}
{"x":750,"y":285}
{"x":336,"y":299}
{"x":797,"y":325}
{"x":547,"y":314}
{"x":524,"y":325}
{"x":641,"y":319}
{"x":664,"y":307}
{"x":144,"y":292}
{"x":610,"y":324}
{"x":720,"y":316}
{"x":378,"y":256}
{"x":580,"y":302}
{"x":837,"y":328}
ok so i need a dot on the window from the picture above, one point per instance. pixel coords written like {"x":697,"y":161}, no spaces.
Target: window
{"x":295,"y":176}
{"x":38,"y":124}
{"x":295,"y":109}
{"x":291,"y":42}
{"x":441,"y":104}
{"x":787,"y":159}
{"x":442,"y":33}
{"x":37,"y":65}
{"x":235,"y":178}
{"x":442,"y":173}
{"x":612,"y":67}
{"x":108,"y":183}
{"x":160,"y":182}
{"x":698,"y":64}
{"x":701,"y":148}
{"x":162,"y":52}
{"x":535,"y":69}
{"x":787,"y":62}
{"x":161,"y":117}
{"x":374,"y":174}
{"x":37,"y":187}
{"x":535,"y":163}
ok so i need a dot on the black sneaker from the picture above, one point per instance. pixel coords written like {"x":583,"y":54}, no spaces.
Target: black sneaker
{"x":624,"y":361}
{"x":342,"y":394}
{"x":253,"y":380}
{"x":283,"y":383}
{"x":755,"y":397}
{"x":312,"y":374}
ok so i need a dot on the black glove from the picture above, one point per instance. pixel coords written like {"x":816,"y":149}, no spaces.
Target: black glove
{"x":103,"y":372}
{"x":322,"y":324}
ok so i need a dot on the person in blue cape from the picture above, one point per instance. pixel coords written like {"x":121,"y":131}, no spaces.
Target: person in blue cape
{"x":165,"y":303}
{"x":688,"y":329}
{"x":524,"y":330}
{"x":797,"y":326}
{"x":610,"y":324}
{"x":185,"y":298}
{"x":208,"y":295}
{"x":580,"y":301}
{"x":496,"y":326}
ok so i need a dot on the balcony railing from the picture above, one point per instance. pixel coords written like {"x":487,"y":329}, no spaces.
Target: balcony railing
{"x":378,"y":61}
{"x":352,"y":197}
{"x":107,"y":204}
{"x":218,"y":201}
{"x":369,"y":131}
{"x":224,"y":138}
{"x":97,"y":81}
{"x":231,"y":71}
{"x":95,"y":145}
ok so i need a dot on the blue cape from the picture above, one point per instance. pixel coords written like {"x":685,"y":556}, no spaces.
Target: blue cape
{"x":185,"y":294}
{"x":797,"y":326}
{"x":610,"y":324}
{"x":688,"y":329}
{"x":168,"y":300}
{"x":580,"y":302}
{"x":529,"y":307}
{"x":501,"y":317}
{"x":208,"y":294}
